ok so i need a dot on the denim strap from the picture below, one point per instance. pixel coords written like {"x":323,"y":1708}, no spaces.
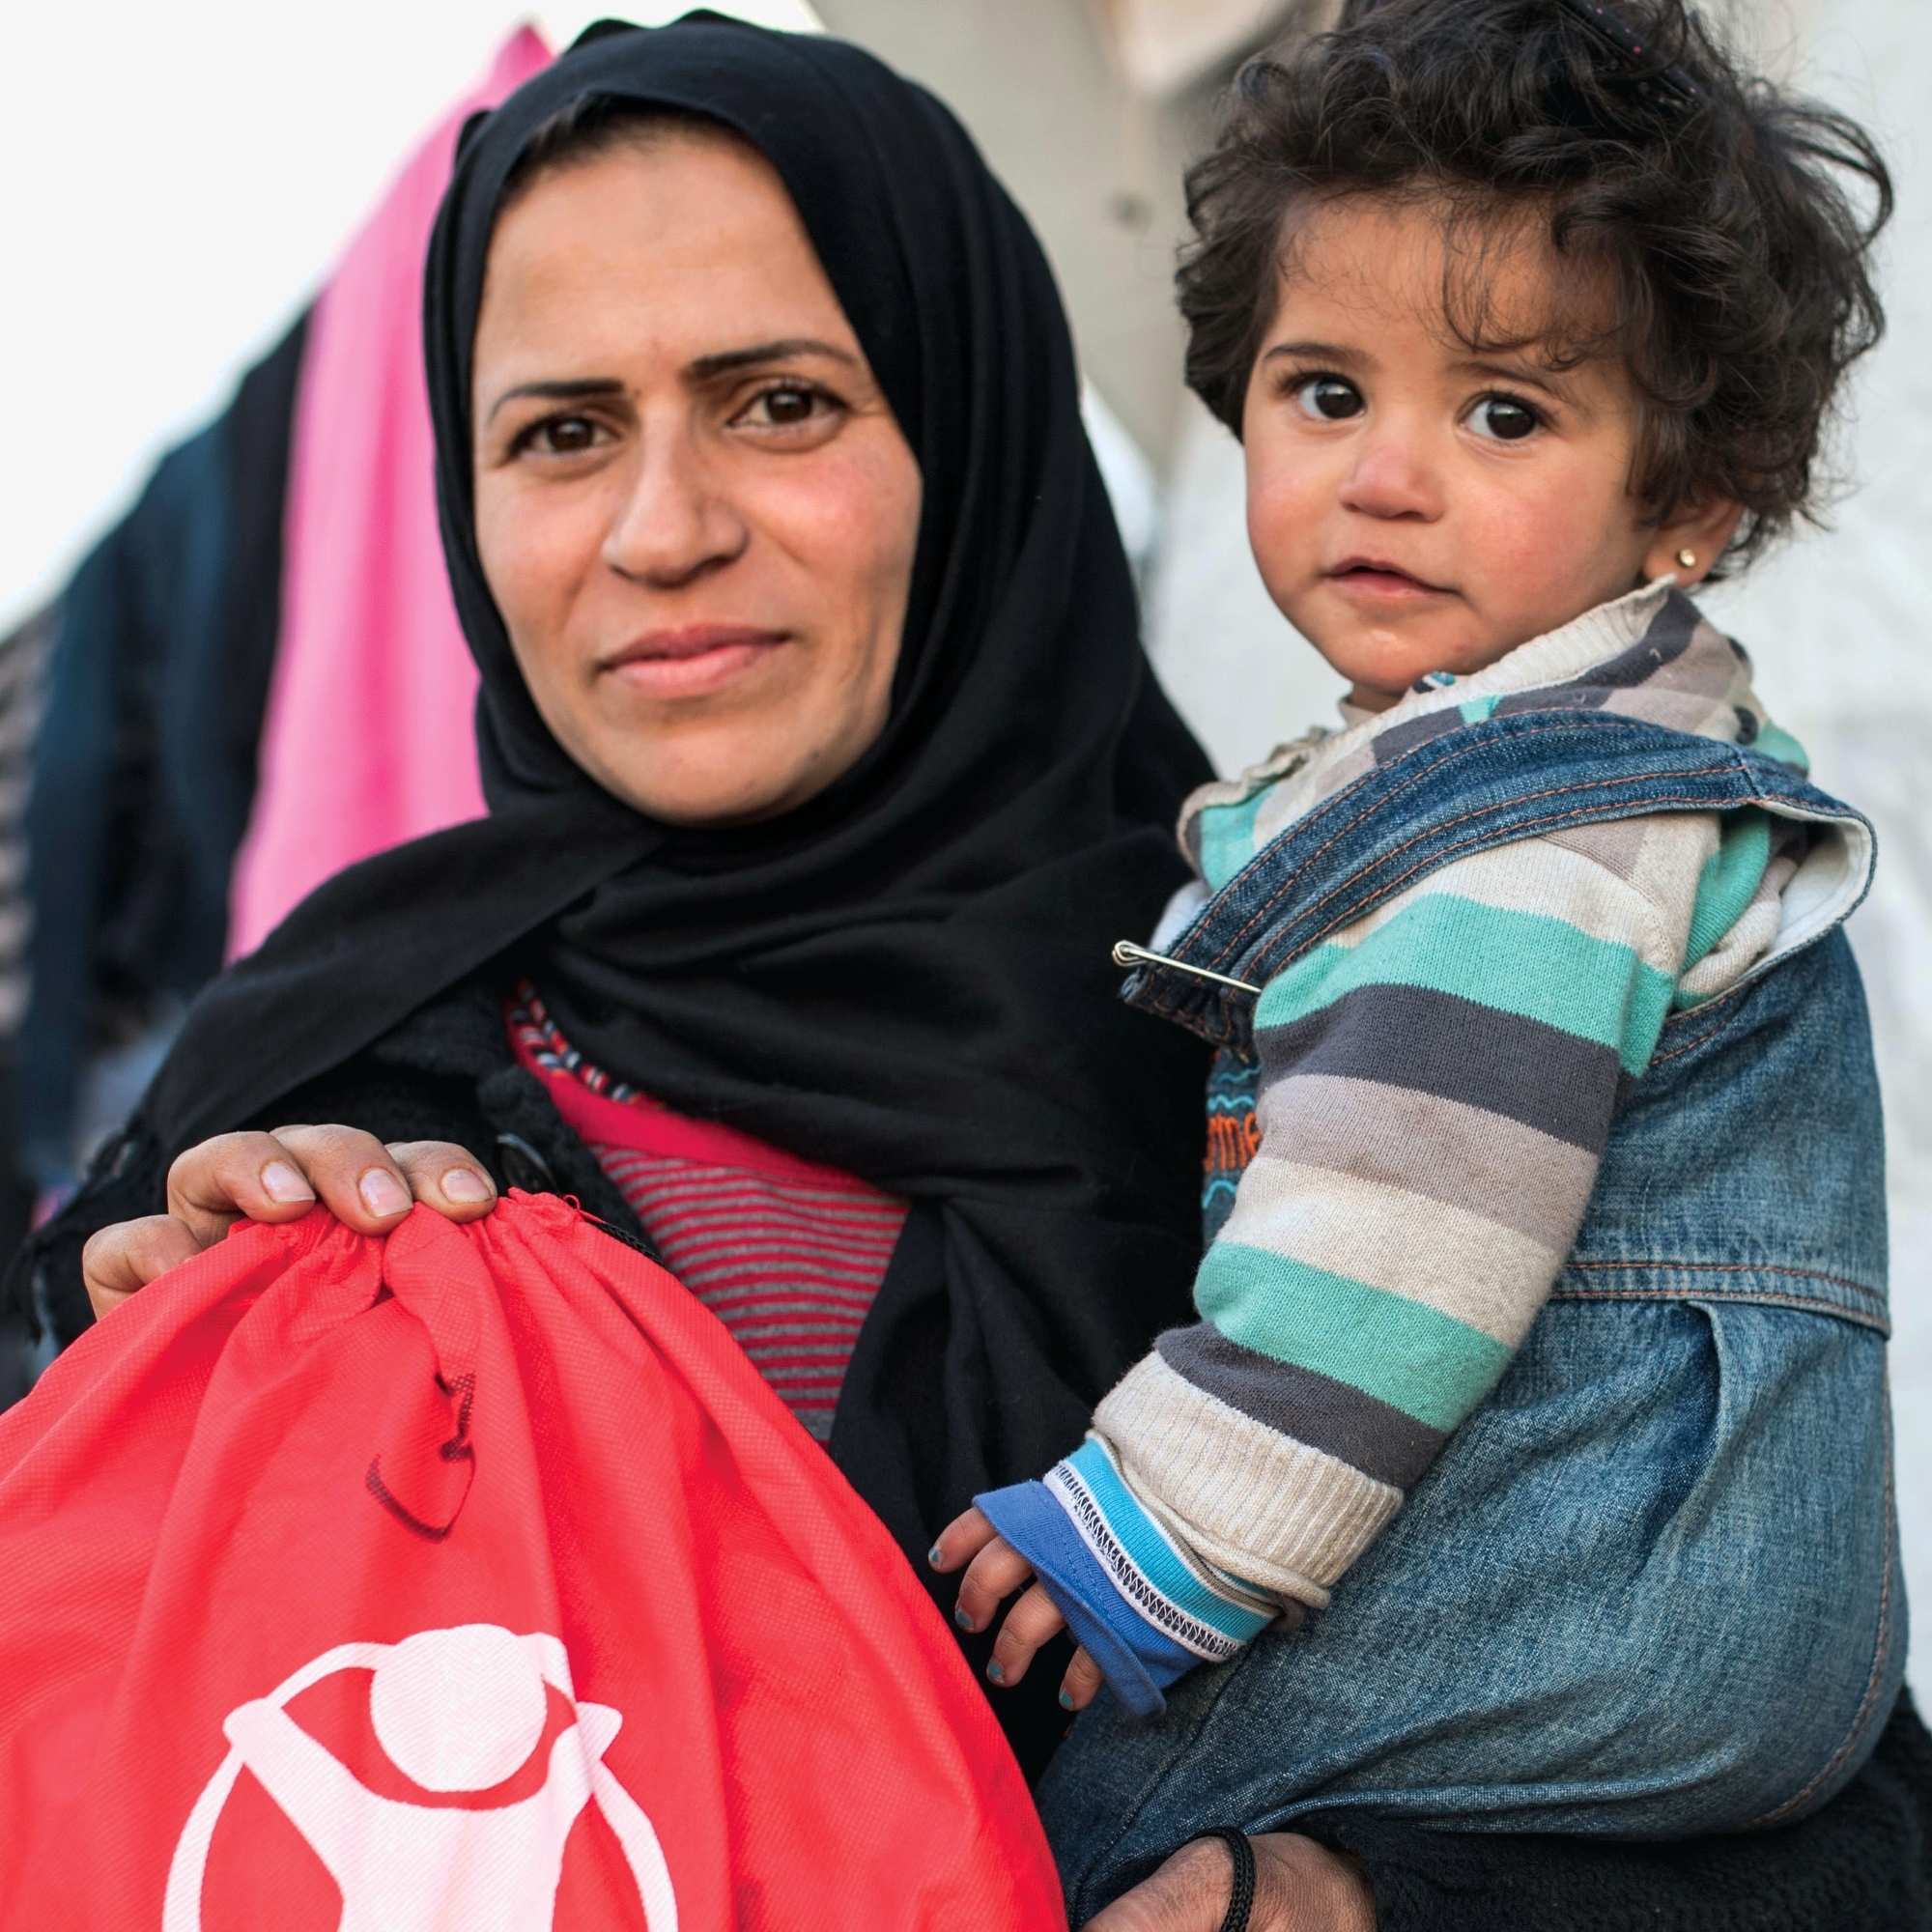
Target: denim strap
{"x":1511,"y":777}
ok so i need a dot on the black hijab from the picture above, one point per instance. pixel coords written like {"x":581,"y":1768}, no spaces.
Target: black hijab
{"x":907,"y":977}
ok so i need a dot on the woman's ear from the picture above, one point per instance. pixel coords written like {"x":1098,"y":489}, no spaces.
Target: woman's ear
{"x":1691,"y":543}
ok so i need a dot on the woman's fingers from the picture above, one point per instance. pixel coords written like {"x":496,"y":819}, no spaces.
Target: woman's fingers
{"x":117,"y":1260}
{"x":1082,"y":1682}
{"x":279,"y":1176}
{"x":445,"y":1177}
{"x":213,"y":1186}
{"x":1189,"y":1893}
{"x":1302,"y":1886}
{"x":371,"y":1186}
{"x":1299,"y":1886}
{"x":1028,"y":1624}
{"x":353,"y":1175}
{"x":990,"y":1578}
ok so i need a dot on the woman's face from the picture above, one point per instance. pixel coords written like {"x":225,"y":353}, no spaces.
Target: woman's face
{"x":694,"y":509}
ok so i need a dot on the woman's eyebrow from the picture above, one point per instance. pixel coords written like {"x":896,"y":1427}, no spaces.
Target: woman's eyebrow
{"x":728,"y":361}
{"x":576,"y":391}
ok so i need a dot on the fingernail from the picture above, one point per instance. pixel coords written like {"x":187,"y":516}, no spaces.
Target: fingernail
{"x":933,"y":1557}
{"x":281,"y":1182}
{"x":1066,"y":1700}
{"x":961,"y":1618}
{"x":997,"y":1671}
{"x":465,"y":1184}
{"x":381,"y":1192}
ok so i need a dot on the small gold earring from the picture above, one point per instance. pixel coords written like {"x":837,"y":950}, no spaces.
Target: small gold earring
{"x":1687,"y":558}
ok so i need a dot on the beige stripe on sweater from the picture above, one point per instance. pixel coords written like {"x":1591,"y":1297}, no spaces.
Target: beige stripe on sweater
{"x":1283,"y":1516}
{"x":1464,"y":1266}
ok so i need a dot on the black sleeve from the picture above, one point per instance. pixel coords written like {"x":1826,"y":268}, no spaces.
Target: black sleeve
{"x":126,"y":1179}
{"x":1862,"y":1863}
{"x":446,"y":1074}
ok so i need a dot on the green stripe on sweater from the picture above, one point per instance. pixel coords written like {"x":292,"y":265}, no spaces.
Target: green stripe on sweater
{"x":1400,"y":1351}
{"x":1729,"y":880}
{"x":1774,"y":742}
{"x":1531,"y":964}
{"x":1227,"y":835}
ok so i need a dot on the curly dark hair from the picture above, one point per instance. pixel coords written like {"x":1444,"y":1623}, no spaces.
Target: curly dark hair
{"x":1731,"y":223}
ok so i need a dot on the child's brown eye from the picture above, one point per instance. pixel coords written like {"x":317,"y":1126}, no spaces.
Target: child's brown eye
{"x":1501,"y":419}
{"x":1329,"y":398}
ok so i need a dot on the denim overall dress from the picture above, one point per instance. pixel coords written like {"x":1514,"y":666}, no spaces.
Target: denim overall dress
{"x":1651,"y":1588}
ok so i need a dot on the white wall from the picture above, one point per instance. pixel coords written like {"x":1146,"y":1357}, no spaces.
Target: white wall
{"x":177,"y":178}
{"x":1838,"y":624}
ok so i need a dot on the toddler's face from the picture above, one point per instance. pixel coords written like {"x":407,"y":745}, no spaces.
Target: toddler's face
{"x":1418,"y":506}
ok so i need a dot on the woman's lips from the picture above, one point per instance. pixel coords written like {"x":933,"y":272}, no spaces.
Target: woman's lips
{"x":691,"y":662}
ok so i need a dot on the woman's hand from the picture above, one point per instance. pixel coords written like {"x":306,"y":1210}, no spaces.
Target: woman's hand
{"x":996,"y":1571}
{"x":1299,"y":1886}
{"x":279,"y":1176}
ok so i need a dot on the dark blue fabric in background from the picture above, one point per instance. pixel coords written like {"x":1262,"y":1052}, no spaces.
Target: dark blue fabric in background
{"x":145,"y":764}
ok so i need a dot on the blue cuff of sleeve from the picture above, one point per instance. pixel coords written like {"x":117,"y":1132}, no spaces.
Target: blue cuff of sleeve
{"x":1137,"y":1660}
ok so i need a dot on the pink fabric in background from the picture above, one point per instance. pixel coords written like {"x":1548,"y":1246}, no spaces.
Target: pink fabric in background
{"x":367,"y":740}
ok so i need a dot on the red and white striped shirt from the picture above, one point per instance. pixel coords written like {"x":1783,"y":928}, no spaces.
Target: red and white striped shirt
{"x":786,"y":1253}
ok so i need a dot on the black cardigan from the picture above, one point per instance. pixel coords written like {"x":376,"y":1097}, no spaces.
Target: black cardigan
{"x":447,"y":1073}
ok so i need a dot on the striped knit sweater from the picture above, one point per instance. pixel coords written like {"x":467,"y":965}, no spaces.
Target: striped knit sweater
{"x":1437,"y":1084}
{"x":788,"y":1253}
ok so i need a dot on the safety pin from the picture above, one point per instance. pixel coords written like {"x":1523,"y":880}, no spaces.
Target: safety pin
{"x":1127,"y":954}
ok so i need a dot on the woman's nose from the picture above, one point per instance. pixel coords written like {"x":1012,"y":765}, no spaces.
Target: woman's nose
{"x":1392,"y":476}
{"x":674,"y":522}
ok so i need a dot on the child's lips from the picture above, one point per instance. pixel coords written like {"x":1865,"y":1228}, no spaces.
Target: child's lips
{"x":1382,"y":584}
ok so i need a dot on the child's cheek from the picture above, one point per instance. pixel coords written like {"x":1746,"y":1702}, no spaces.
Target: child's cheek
{"x":1549,"y":552}
{"x":1286,"y":503}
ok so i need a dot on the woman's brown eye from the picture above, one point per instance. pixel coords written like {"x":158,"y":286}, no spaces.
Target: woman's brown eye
{"x":570,"y":434}
{"x":788,"y":406}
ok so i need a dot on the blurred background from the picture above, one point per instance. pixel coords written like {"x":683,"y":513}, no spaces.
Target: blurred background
{"x":186,"y":182}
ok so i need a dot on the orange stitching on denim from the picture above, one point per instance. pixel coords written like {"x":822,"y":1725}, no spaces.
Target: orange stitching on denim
{"x":1490,"y":812}
{"x":1701,"y":1012}
{"x":1317,"y":812}
{"x":1803,"y":1304}
{"x":1738,"y":1267}
{"x":1529,"y":829}
{"x":1170,"y":1007}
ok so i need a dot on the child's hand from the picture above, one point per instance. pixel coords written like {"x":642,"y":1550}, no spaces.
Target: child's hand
{"x":996,"y":1571}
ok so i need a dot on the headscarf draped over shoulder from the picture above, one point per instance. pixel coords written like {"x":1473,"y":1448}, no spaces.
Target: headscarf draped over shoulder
{"x":907,"y":977}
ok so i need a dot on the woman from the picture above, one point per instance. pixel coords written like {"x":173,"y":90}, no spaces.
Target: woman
{"x":822,"y":759}
{"x":823,"y":768}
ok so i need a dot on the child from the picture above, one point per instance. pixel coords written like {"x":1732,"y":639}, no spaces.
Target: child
{"x":1541,"y":1350}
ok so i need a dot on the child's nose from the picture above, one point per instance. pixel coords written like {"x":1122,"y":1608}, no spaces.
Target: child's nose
{"x":1392,"y":476}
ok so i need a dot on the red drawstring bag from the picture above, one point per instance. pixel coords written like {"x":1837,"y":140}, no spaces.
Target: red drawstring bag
{"x":468,"y":1580}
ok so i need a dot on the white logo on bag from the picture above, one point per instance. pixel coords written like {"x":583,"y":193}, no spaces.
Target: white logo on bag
{"x":456,"y":1710}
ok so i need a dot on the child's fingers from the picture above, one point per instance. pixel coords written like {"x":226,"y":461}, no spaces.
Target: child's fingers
{"x":990,"y":1578}
{"x":1028,"y":1624}
{"x":1082,"y":1680}
{"x":965,"y":1536}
